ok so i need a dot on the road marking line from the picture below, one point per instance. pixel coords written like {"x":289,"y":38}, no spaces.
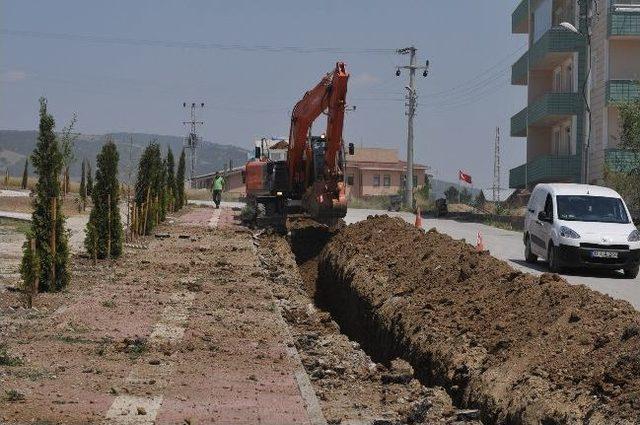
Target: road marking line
{"x":213,"y":221}
{"x":168,"y":330}
{"x":125,"y":410}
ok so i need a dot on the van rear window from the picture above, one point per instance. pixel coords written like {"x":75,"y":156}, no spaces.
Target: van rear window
{"x":600,"y":209}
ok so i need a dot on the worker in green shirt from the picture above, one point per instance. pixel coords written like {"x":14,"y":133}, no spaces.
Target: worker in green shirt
{"x":218,"y":186}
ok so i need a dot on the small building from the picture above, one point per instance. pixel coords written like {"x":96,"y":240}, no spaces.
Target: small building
{"x":369,"y":172}
{"x":379,"y":172}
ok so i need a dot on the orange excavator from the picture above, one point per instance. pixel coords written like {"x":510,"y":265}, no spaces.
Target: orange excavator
{"x":311,"y":179}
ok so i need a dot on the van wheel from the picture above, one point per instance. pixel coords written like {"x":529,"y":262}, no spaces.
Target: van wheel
{"x":552,"y":258}
{"x":631,"y":273}
{"x":529,"y":256}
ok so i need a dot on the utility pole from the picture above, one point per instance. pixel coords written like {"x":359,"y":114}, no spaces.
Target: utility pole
{"x":192,"y":140}
{"x":496,"y":167}
{"x":412,"y":100}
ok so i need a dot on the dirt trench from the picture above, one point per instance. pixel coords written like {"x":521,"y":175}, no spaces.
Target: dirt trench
{"x":352,"y":387}
{"x":521,"y":349}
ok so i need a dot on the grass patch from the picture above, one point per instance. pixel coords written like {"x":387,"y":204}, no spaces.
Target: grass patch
{"x":13,"y":395}
{"x":135,"y":347}
{"x":108,"y":304}
{"x":8,"y":360}
{"x":11,"y":225}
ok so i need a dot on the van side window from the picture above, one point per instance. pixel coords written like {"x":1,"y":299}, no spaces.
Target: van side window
{"x":548,"y":207}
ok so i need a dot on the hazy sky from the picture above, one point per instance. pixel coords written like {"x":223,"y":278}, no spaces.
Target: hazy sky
{"x":127,"y":65}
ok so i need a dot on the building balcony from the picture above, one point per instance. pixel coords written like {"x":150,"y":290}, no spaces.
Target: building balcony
{"x":520,"y":18}
{"x":519,"y":124}
{"x":546,"y":169}
{"x":520,"y":71}
{"x":622,"y":91}
{"x":624,"y":18}
{"x":552,"y":108}
{"x":554,"y":47}
{"x":621,"y":160}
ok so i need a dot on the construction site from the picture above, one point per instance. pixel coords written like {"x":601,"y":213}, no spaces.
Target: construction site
{"x":306,"y":278}
{"x":211,"y":322}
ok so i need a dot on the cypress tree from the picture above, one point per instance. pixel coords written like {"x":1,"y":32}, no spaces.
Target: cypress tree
{"x":150,"y":184}
{"x":104,"y":221}
{"x":171,"y":179}
{"x":48,"y":163}
{"x":25,"y":174}
{"x":83,"y":185}
{"x":180,"y":196}
{"x":161,"y":190}
{"x":89,"y":179}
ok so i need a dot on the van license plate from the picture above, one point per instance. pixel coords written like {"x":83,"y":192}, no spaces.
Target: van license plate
{"x":604,"y":254}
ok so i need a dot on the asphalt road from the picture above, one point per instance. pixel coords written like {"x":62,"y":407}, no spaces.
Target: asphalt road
{"x":507,"y":245}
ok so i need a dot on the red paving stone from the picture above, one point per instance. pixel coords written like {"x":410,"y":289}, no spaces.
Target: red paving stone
{"x":245,"y":381}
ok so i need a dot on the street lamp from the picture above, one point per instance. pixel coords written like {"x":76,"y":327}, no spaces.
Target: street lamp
{"x":586,"y":95}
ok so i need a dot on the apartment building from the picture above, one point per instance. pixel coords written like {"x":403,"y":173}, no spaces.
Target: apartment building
{"x":555,"y":69}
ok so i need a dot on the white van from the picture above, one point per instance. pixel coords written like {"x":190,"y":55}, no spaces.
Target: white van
{"x":578,"y":225}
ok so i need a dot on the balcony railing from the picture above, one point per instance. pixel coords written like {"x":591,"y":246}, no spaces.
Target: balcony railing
{"x":624,"y":18}
{"x":519,"y":124}
{"x":520,"y":71}
{"x":520,"y":18}
{"x":622,"y":90}
{"x":556,"y":40}
{"x":546,"y":169}
{"x":621,"y":160}
{"x":554,"y":104}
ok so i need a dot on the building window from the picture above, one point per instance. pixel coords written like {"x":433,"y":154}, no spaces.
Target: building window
{"x":350,"y":180}
{"x":376,"y":180}
{"x":386,"y":180}
{"x":415,"y":180}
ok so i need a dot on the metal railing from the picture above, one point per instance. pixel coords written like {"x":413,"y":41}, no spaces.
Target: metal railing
{"x":622,"y":90}
{"x":624,"y":18}
{"x":546,"y":168}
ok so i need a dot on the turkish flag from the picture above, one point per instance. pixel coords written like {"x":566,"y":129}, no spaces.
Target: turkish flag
{"x":464,"y":176}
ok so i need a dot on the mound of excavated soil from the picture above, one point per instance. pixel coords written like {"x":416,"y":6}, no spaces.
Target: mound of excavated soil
{"x":523,"y":349}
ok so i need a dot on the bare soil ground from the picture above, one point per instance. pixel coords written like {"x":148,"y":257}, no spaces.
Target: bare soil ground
{"x":23,"y":204}
{"x":182,"y":332}
{"x":523,"y":349}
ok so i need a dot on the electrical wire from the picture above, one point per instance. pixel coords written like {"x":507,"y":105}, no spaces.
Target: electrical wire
{"x":203,"y":45}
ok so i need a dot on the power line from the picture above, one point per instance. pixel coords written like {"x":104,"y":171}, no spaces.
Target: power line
{"x":203,"y":45}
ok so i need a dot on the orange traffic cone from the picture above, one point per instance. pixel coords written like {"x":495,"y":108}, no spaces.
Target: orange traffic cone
{"x":479,"y":243}
{"x":418,"y":219}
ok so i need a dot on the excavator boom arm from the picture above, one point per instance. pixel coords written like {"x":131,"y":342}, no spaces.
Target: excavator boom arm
{"x":329,"y":94}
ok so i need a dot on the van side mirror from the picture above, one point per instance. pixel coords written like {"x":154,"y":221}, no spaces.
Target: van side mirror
{"x":352,"y":149}
{"x":542,"y":216}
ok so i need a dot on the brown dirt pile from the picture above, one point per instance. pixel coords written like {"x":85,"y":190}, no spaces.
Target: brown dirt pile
{"x":524,"y":349}
{"x":350,"y":386}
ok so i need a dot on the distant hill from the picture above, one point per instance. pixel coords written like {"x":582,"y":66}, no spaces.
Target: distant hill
{"x":16,"y":145}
